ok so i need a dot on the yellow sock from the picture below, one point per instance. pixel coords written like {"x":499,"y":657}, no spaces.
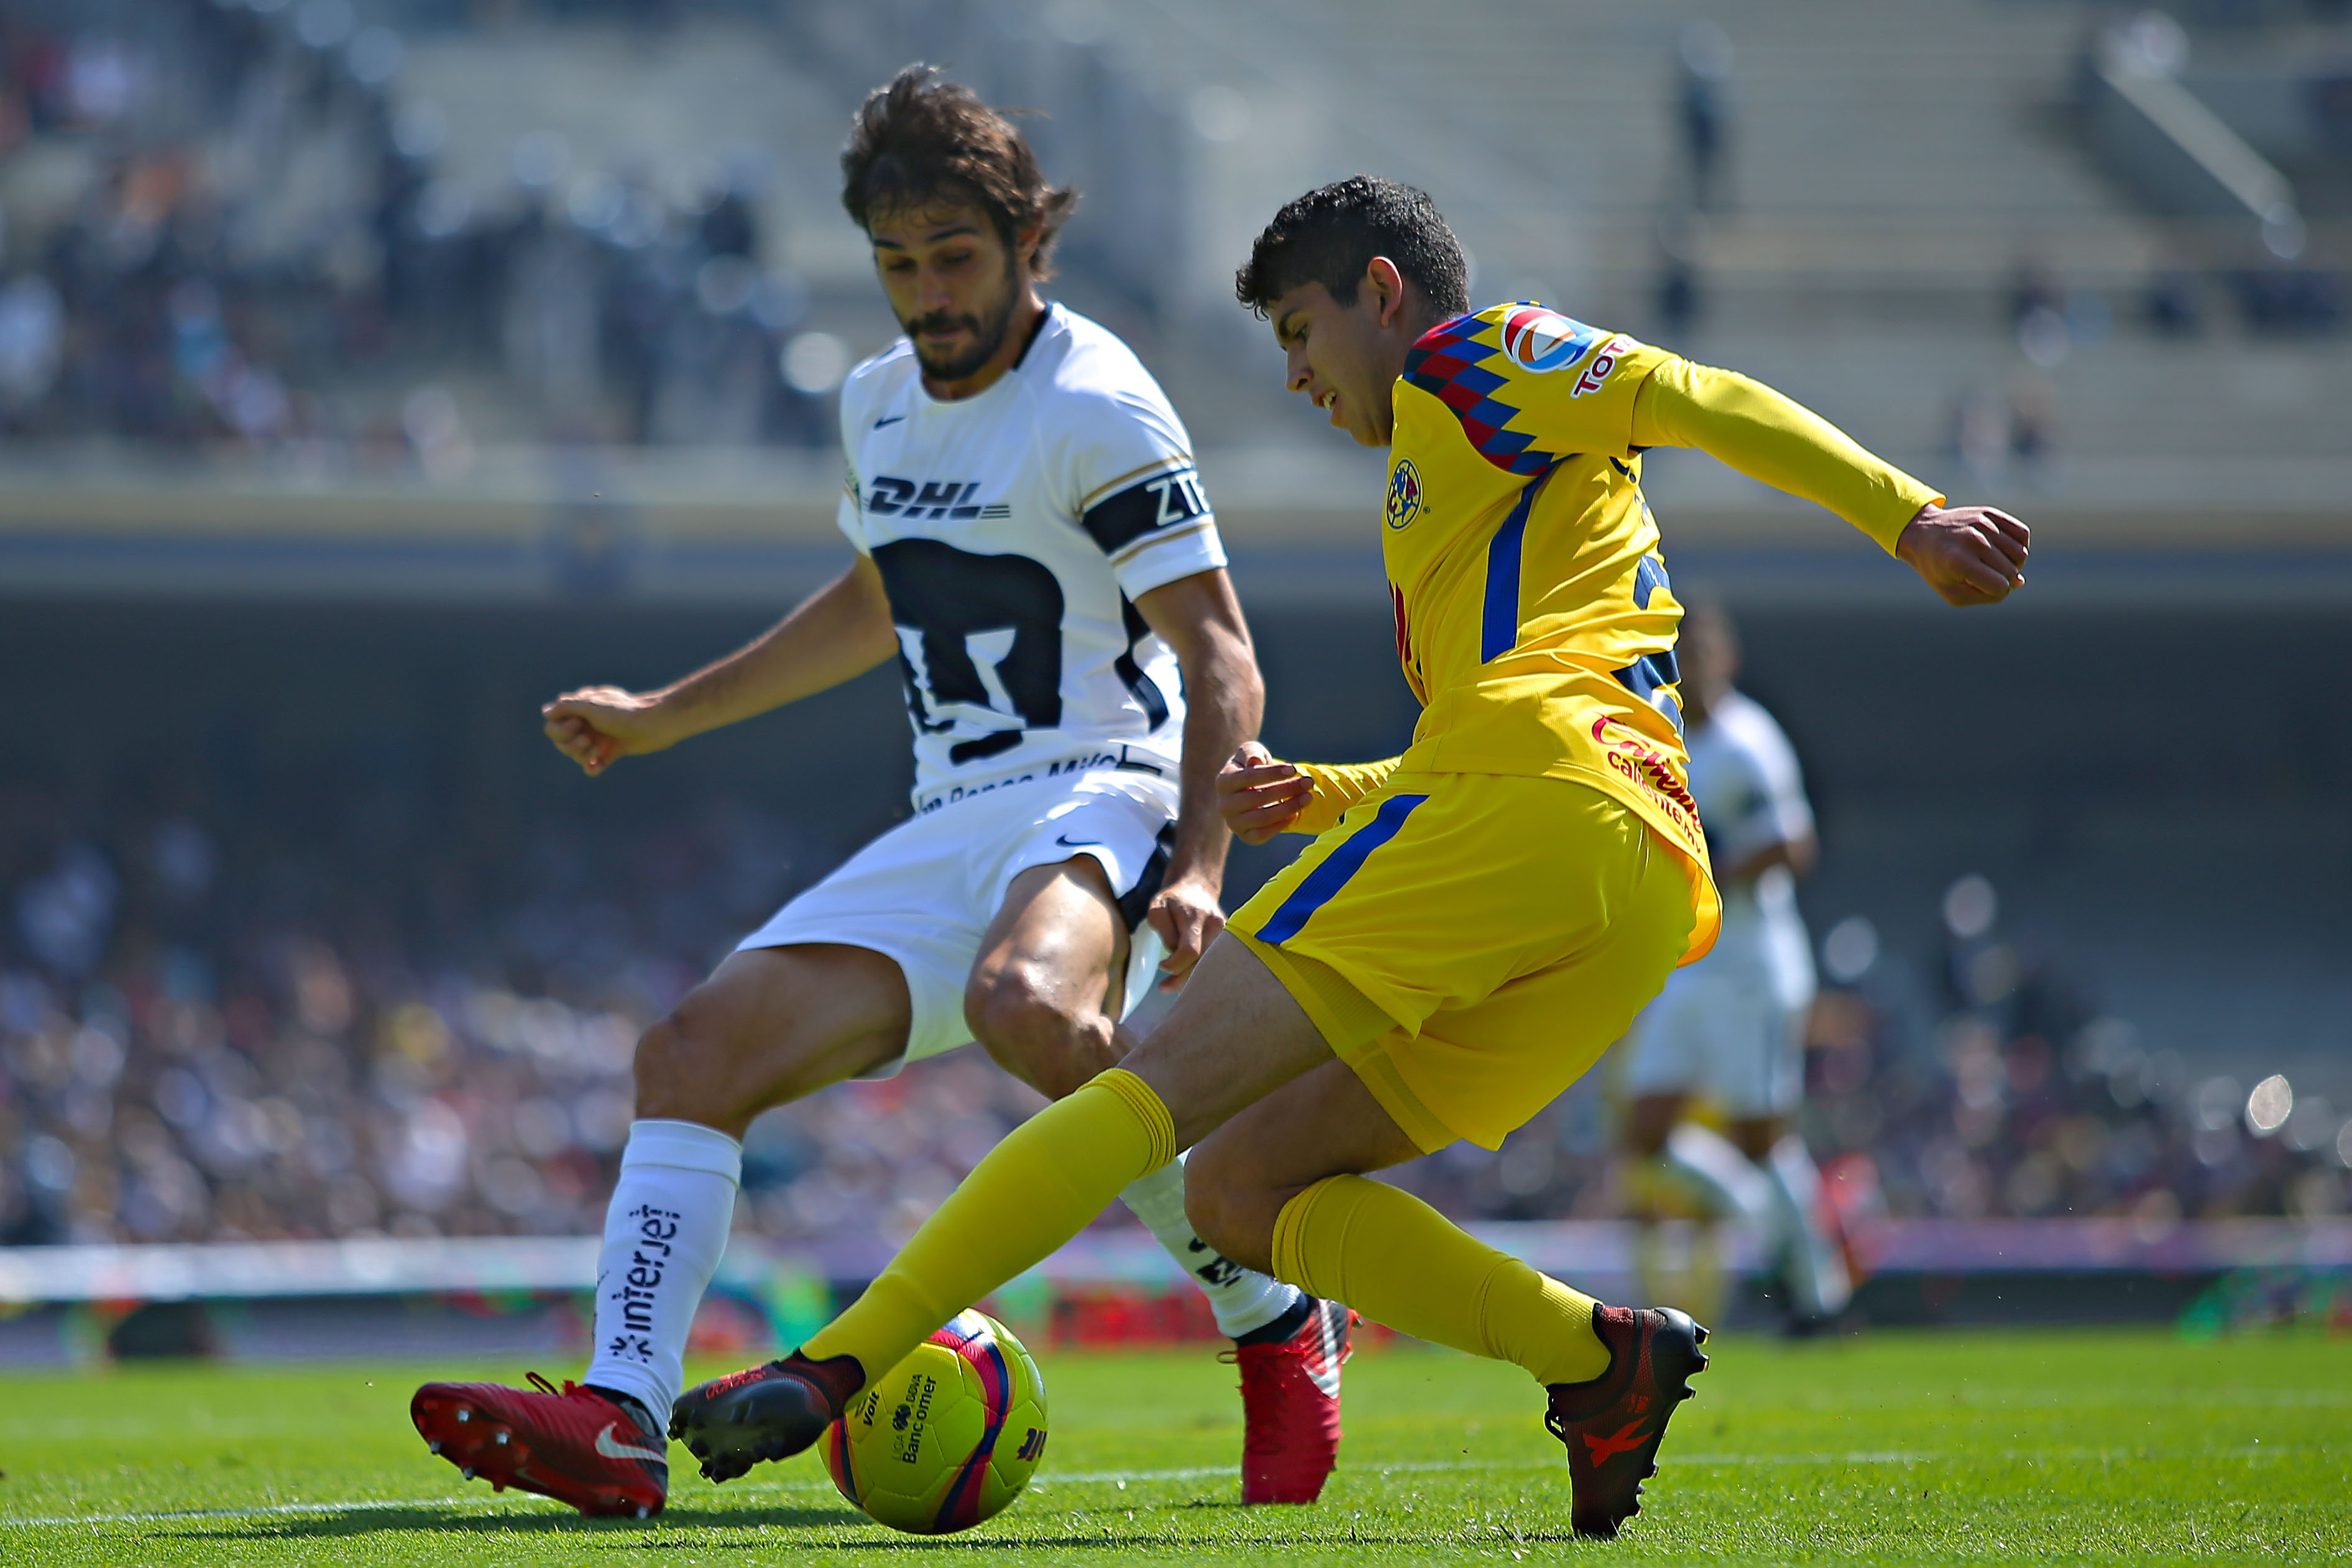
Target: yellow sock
{"x":1390,"y":1256}
{"x":1035,"y":1191}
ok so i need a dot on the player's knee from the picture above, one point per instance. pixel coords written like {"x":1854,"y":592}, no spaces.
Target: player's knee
{"x":1028,"y":1030}
{"x":686,"y":1068}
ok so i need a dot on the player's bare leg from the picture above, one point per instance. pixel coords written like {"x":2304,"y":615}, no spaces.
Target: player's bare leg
{"x":1045,"y":992}
{"x":1235,"y":1037}
{"x":769,"y":1026}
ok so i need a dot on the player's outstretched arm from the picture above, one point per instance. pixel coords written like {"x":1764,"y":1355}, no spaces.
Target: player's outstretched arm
{"x":1225,"y":699}
{"x":839,"y":633}
{"x":1968,"y":555}
{"x":1260,"y":795}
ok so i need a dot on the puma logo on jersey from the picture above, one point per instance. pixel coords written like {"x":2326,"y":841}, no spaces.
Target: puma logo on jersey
{"x":929,"y":498}
{"x":611,"y":1449}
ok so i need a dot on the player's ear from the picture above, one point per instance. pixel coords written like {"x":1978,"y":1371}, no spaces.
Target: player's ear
{"x":1387,"y":283}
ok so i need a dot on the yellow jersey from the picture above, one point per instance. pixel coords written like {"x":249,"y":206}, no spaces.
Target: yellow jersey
{"x":1535,"y":617}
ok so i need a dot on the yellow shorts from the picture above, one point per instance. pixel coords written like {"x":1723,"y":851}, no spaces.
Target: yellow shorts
{"x":1470,"y":944}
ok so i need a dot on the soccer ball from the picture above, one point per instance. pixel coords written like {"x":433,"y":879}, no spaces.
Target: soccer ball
{"x":949,"y":1436}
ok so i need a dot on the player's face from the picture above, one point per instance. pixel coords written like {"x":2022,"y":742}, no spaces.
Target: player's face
{"x":1344,"y":358}
{"x":953,"y":284}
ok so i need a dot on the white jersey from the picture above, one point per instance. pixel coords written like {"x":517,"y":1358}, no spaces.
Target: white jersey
{"x":1014,"y":530}
{"x":1744,"y":775}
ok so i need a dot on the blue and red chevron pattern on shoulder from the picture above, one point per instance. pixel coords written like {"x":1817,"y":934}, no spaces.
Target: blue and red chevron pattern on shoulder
{"x":1448,"y":364}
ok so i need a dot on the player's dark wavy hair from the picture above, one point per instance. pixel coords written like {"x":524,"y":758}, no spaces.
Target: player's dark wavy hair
{"x":923,"y":139}
{"x":1330,"y":234}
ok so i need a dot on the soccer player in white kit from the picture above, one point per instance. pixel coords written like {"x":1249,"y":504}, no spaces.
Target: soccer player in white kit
{"x":1731,"y":1026}
{"x":1033,"y":548}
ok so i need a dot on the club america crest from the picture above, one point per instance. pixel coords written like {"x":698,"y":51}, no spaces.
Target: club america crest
{"x":1404,"y":494}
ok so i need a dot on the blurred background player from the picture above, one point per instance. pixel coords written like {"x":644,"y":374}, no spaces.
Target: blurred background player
{"x":1034,"y":549}
{"x":1729,"y":1029}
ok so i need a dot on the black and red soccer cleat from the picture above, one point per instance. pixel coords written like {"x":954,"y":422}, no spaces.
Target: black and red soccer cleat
{"x":1290,"y":1407}
{"x":771,"y":1411}
{"x":1612,"y":1425}
{"x":577,"y":1446}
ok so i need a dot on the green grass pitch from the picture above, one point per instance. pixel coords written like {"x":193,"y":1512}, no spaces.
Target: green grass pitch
{"x":2090,"y":1445}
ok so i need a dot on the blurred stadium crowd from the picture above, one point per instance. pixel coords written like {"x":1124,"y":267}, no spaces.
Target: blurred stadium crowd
{"x":227,"y":236}
{"x":208,"y":1034}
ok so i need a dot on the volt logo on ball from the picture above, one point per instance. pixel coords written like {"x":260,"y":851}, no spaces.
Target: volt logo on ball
{"x":1538,"y":340}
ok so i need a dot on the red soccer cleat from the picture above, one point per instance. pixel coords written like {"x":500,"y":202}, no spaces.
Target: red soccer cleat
{"x":576,"y":1446}
{"x":1290,"y":1407}
{"x":1612,"y":1425}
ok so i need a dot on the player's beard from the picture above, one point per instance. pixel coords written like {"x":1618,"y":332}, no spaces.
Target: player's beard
{"x":987,"y":334}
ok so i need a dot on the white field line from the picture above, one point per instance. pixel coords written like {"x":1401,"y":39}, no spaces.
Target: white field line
{"x":205,"y":1424}
{"x":1121,"y":1479}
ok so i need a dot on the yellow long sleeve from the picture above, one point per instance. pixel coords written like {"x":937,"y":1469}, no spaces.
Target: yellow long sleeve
{"x":1337,"y":785}
{"x":1778,"y":441}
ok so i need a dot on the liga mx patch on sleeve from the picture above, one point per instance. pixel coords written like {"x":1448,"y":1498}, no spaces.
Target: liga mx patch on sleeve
{"x":1167,"y":502}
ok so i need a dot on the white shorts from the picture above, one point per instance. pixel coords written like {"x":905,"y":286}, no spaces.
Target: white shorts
{"x":1724,"y":1034}
{"x":924,"y":891}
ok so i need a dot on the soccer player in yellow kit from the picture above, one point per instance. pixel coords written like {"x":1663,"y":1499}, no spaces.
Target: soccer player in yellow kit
{"x":1477,"y":918}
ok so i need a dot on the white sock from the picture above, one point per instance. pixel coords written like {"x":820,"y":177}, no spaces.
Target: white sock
{"x":1723,"y":1182}
{"x":664,"y":1231}
{"x":1242,"y":1299}
{"x":1818,"y":1284}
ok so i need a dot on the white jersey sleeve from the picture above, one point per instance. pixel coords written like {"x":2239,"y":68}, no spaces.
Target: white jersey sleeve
{"x":1134,"y":490}
{"x":855,"y":401}
{"x":846,"y":516}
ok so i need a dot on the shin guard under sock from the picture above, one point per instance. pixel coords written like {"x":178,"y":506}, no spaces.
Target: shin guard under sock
{"x":1396,"y":1260}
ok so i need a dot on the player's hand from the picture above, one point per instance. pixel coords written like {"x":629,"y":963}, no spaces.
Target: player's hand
{"x":597,"y":724}
{"x":1970,"y":555}
{"x":1258,"y":795}
{"x":1187,"y":917}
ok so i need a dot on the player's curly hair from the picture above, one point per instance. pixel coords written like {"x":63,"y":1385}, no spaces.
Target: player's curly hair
{"x":922,"y":139}
{"x":1330,"y":234}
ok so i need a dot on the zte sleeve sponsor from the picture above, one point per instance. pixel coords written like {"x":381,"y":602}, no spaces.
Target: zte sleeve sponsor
{"x":1142,"y":501}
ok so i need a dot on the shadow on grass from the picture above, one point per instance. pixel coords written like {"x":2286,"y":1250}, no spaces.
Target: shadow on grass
{"x":1129,"y":1540}
{"x":432,"y":1520}
{"x":694,"y":1528}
